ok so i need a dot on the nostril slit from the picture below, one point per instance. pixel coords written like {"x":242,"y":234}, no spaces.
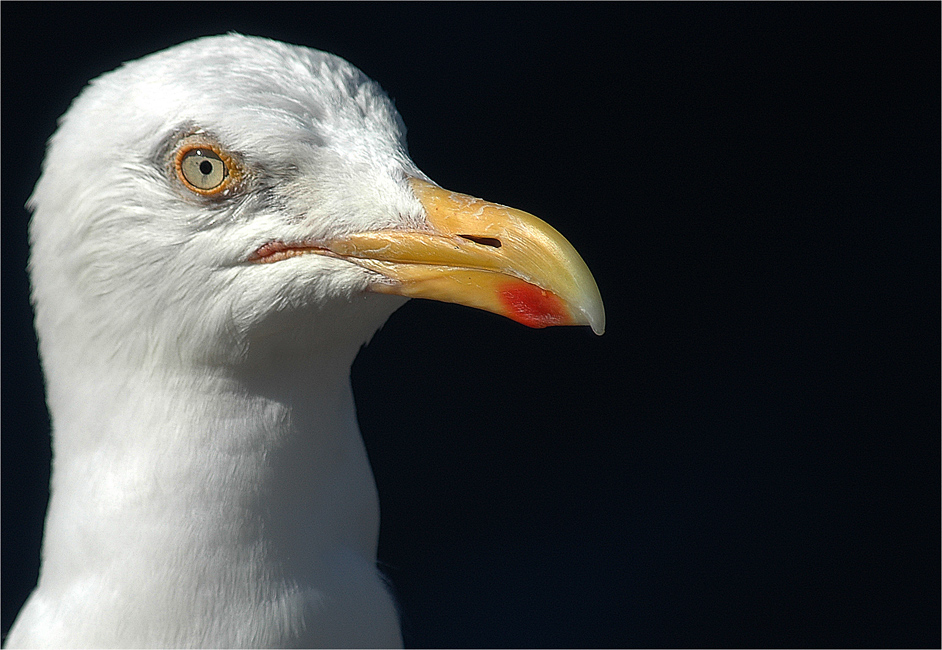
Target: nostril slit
{"x":483,"y":241}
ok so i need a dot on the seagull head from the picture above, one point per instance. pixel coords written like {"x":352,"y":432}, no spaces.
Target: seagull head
{"x":217,"y":230}
{"x":232,"y":190}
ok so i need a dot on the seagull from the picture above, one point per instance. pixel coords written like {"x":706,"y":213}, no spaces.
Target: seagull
{"x":218,"y":229}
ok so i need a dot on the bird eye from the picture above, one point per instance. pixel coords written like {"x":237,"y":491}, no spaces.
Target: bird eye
{"x":201,"y":169}
{"x":206,"y":168}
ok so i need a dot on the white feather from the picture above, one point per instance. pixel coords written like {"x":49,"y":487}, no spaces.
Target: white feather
{"x":209,"y":484}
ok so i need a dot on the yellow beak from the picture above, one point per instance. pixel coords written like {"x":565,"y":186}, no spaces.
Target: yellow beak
{"x":481,"y":255}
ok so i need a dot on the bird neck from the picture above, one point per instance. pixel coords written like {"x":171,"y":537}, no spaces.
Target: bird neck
{"x":227,"y":505}
{"x":258,"y":469}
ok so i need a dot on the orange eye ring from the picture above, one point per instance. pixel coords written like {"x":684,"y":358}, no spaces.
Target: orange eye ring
{"x":204,"y":168}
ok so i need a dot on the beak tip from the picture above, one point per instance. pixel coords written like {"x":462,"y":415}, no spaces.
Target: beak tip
{"x":588,"y":301}
{"x":595,"y":318}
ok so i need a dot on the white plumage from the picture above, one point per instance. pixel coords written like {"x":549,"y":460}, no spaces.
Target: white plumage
{"x":209,"y":484}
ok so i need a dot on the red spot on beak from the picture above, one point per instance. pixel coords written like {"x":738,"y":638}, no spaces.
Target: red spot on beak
{"x":532,"y":306}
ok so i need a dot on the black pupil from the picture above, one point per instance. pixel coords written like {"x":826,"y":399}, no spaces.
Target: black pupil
{"x":206,"y":167}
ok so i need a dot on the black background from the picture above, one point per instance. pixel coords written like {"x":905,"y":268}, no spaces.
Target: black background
{"x":750,"y":455}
